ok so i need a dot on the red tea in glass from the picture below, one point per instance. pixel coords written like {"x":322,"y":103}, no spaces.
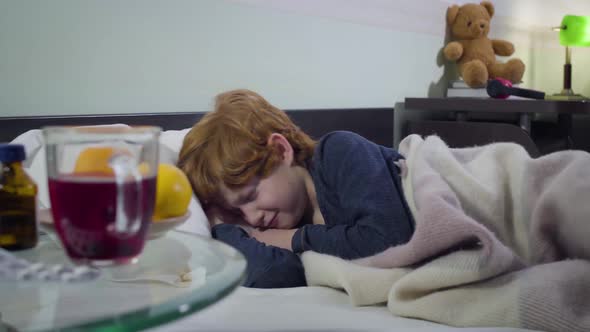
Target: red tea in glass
{"x":85,"y":208}
{"x":102,"y":188}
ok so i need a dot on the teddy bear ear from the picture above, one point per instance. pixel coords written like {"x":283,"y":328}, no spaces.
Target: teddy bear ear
{"x":489,"y":7}
{"x":452,"y":14}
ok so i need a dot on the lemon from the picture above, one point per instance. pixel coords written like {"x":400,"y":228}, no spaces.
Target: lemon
{"x":173,"y":192}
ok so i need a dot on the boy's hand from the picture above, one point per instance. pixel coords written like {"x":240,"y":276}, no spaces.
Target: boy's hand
{"x":274,"y":237}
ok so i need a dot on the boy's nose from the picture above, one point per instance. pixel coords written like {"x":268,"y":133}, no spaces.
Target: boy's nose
{"x":254,"y":217}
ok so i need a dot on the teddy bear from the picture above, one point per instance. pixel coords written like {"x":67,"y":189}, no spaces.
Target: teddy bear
{"x":473,"y":51}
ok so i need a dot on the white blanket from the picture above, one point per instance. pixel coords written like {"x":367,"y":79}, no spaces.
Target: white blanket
{"x":501,"y":240}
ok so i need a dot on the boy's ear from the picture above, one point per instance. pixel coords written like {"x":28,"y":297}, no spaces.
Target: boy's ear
{"x":283,"y":146}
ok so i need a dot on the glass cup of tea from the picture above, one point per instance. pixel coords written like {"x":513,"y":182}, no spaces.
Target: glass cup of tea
{"x":102,"y":188}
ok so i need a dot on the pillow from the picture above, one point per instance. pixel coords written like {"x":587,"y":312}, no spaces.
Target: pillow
{"x":173,"y":139}
{"x":170,"y":144}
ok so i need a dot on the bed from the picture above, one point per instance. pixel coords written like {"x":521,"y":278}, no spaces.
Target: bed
{"x":292,"y":309}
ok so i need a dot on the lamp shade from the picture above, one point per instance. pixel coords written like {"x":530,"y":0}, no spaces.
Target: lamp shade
{"x":575,"y":31}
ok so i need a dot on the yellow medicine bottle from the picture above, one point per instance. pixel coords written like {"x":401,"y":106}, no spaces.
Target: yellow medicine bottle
{"x":18,"y":194}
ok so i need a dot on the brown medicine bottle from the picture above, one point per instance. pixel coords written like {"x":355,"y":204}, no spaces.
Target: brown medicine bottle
{"x":18,"y":194}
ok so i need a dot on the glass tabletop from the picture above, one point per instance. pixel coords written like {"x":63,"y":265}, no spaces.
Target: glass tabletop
{"x":177,"y":274}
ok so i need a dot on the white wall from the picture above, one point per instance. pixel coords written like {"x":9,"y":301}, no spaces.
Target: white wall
{"x":112,"y":56}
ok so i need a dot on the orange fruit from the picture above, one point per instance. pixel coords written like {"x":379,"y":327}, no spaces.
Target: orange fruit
{"x":94,"y":160}
{"x":173,"y":192}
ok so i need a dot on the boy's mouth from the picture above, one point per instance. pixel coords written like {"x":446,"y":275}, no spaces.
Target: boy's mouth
{"x":273,"y":222}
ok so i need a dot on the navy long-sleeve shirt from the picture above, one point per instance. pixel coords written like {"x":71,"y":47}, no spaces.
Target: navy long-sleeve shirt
{"x":359,"y":194}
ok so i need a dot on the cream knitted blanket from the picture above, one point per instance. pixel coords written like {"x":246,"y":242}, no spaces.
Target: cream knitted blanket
{"x":501,"y":240}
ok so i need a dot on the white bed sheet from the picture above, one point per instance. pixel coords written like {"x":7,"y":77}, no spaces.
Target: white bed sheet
{"x":302,"y":309}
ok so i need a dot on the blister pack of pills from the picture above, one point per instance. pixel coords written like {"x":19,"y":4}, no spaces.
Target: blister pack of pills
{"x":13,"y":268}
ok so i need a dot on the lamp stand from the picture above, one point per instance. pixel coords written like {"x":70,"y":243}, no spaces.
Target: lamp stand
{"x":567,"y":93}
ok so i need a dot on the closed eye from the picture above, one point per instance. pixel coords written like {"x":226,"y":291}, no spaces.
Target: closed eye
{"x":245,"y":197}
{"x":252,"y":195}
{"x":248,"y":197}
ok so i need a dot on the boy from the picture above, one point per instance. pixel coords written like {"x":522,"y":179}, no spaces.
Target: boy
{"x":272,"y":192}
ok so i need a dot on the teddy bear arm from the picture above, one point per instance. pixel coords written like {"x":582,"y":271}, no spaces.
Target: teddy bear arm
{"x":453,"y":51}
{"x":502,"y":47}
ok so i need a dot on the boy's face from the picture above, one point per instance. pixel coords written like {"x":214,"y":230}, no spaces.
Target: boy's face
{"x":277,"y":201}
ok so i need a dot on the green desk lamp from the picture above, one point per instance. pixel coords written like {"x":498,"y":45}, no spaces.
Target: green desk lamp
{"x":574,"y":31}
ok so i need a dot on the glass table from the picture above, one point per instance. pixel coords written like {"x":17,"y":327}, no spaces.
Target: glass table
{"x":177,"y":274}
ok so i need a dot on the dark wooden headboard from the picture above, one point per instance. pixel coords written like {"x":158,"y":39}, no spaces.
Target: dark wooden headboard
{"x":375,"y":124}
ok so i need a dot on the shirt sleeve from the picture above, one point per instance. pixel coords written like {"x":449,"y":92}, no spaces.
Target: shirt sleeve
{"x":268,"y":266}
{"x":368,"y":188}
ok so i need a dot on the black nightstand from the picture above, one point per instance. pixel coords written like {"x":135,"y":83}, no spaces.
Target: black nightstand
{"x":463,"y":127}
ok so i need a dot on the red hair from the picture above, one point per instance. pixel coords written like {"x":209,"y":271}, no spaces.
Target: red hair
{"x":229,"y":146}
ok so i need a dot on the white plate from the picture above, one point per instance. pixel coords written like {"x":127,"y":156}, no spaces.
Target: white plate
{"x":157,"y":228}
{"x":160,"y":227}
